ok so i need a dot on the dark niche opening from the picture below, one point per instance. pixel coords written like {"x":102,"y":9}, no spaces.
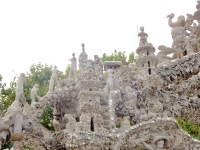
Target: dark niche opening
{"x":92,"y":124}
{"x":149,"y":63}
{"x":149,"y":71}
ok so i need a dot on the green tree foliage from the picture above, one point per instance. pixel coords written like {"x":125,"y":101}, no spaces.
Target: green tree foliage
{"x":131,"y":57}
{"x":38,"y":74}
{"x":7,"y":95}
{"x":116,"y":56}
{"x":189,"y":127}
{"x":8,"y":145}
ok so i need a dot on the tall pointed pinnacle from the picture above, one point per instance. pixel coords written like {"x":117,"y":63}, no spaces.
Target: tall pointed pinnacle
{"x":83,"y":47}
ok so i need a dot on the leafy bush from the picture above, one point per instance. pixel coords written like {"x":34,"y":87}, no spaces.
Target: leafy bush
{"x":189,"y":127}
{"x":47,"y":119}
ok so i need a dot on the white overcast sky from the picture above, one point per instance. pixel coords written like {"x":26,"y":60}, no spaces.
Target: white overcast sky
{"x":49,"y":31}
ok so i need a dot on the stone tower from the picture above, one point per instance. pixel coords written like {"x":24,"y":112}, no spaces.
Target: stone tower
{"x":89,"y":97}
{"x":146,"y":61}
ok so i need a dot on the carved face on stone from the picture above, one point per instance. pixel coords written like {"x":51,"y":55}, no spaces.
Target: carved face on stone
{"x":73,"y":54}
{"x":141,"y":28}
{"x":160,"y":144}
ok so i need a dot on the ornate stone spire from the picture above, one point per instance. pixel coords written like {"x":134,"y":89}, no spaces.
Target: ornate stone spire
{"x":83,"y":57}
{"x":83,"y":47}
{"x":146,"y":61}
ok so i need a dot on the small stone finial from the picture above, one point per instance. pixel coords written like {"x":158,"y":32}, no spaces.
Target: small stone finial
{"x":83,"y":47}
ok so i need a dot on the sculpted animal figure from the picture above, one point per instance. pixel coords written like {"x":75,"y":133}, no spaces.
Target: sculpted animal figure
{"x":179,"y":23}
{"x":164,"y":51}
{"x":179,"y":28}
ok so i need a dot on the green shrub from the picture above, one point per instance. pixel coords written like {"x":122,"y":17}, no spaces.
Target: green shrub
{"x":189,"y":127}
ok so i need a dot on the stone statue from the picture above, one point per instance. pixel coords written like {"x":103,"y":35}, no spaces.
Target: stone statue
{"x":143,"y":37}
{"x":20,"y":88}
{"x":97,"y":61}
{"x":34,"y":94}
{"x":110,"y":79}
{"x":54,"y":79}
{"x":17,"y":130}
{"x":179,"y":23}
{"x":20,"y":93}
{"x":18,"y":123}
{"x":86,"y":112}
{"x":73,"y":68}
{"x":70,"y":126}
{"x":164,"y":51}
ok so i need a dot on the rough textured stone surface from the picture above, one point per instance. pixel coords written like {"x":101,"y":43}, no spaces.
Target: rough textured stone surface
{"x":94,"y":113}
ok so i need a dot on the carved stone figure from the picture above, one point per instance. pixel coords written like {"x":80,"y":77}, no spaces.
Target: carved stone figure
{"x":54,"y":79}
{"x":83,"y":47}
{"x":17,"y":130}
{"x":34,"y":94}
{"x":98,"y":65}
{"x":162,"y":54}
{"x":179,"y":23}
{"x":164,"y":51}
{"x":110,"y":79}
{"x":70,"y":126}
{"x":143,"y":37}
{"x":73,"y":68}
{"x":20,"y":88}
{"x":179,"y":34}
{"x":20,"y":92}
{"x":86,"y":110}
{"x":97,"y":60}
{"x":83,"y":57}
